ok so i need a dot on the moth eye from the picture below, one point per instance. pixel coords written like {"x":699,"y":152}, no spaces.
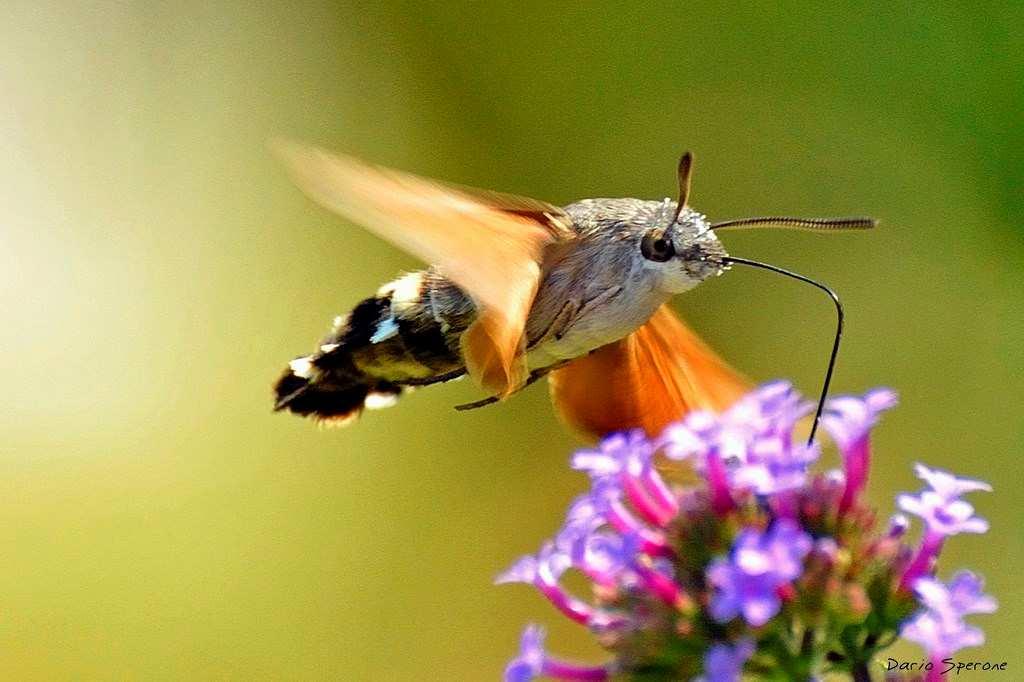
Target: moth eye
{"x":655,"y":248}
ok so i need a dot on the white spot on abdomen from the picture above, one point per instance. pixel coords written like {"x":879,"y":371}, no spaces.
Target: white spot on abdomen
{"x":378,"y":401}
{"x":385,"y":330}
{"x":404,"y":291}
{"x":302,"y":367}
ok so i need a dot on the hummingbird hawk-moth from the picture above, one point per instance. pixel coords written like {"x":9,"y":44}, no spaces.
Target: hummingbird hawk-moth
{"x":518,"y":289}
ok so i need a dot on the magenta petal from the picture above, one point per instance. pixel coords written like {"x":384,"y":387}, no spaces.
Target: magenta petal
{"x":562,"y":670}
{"x":576,"y":609}
{"x":718,"y":484}
{"x":856,"y":459}
{"x":662,"y":495}
{"x":660,"y":584}
{"x":651,"y":542}
{"x":922,"y":562}
{"x":641,"y":501}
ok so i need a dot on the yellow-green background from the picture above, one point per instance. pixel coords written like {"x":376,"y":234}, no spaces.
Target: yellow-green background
{"x":157,"y":269}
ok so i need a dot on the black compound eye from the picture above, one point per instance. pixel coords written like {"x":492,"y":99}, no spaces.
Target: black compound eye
{"x":657,"y":248}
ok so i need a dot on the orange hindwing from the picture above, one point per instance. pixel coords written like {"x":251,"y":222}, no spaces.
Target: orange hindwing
{"x":646,"y":380}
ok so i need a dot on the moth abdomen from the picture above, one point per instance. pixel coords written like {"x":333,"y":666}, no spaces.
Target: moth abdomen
{"x":406,"y":335}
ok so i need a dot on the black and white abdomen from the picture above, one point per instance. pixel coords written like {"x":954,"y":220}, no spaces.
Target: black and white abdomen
{"x":410,"y":331}
{"x":406,"y":335}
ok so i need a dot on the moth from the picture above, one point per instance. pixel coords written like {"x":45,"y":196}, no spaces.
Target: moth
{"x":520,"y":289}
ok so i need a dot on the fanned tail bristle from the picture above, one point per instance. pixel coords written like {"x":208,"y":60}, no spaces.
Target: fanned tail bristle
{"x":328,"y":401}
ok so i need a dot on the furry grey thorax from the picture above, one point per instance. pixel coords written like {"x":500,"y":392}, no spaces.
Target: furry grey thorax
{"x":606,"y":283}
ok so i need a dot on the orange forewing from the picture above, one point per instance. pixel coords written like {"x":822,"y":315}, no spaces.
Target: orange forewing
{"x":489,"y":244}
{"x":494,"y":346}
{"x":647,"y":380}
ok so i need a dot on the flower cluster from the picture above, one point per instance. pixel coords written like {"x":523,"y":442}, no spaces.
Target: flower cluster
{"x":761,"y":567}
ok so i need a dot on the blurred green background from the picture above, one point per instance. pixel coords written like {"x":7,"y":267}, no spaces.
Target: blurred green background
{"x":157,"y":269}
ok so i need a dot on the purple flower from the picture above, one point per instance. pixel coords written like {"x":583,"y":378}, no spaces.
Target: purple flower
{"x":583,"y":517}
{"x":963,"y":595}
{"x":604,"y":506}
{"x":724,"y":663}
{"x":849,"y":420}
{"x":532,"y":662}
{"x":613,"y":454}
{"x":772,"y":465}
{"x":768,"y":413}
{"x":747,"y":582}
{"x":606,"y":500}
{"x":772,"y":408}
{"x":946,"y":484}
{"x":750,"y":446}
{"x":656,"y":557}
{"x":683,"y":440}
{"x":602,"y":555}
{"x":898,"y":525}
{"x":623,"y":461}
{"x":944,"y":514}
{"x":941,"y":637}
{"x":544,"y":572}
{"x":940,"y":627}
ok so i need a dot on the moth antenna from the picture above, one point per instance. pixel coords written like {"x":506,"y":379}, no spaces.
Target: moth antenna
{"x":729,"y":260}
{"x":825,"y":224}
{"x":685,"y":167}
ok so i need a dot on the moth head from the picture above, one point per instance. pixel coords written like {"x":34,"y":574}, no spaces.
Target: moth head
{"x":679,"y":244}
{"x":683,"y":252}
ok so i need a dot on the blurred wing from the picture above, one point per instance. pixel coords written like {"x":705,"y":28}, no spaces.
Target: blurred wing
{"x":647,"y":380}
{"x":489,"y":244}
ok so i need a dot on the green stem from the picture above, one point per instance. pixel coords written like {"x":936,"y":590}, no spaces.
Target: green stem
{"x":807,"y":643}
{"x":860,"y":672}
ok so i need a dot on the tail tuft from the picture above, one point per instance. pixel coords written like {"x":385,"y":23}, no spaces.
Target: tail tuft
{"x":328,"y":398}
